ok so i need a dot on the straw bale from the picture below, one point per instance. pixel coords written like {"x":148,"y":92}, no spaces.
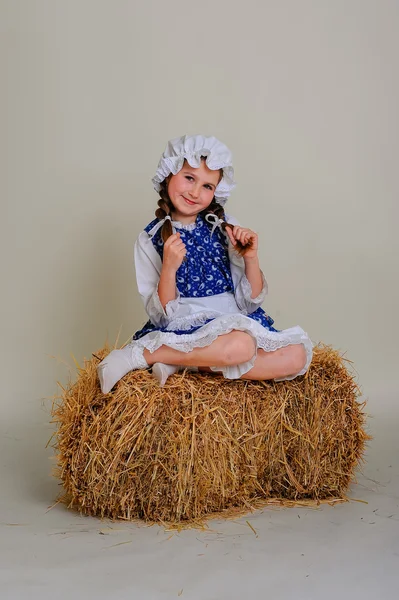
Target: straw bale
{"x":203,"y":444}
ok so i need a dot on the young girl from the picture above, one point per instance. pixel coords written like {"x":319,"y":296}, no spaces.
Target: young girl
{"x":201,"y":283}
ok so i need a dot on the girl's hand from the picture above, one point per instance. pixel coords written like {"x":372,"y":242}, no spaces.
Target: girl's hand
{"x":174,"y":252}
{"x":244,"y":236}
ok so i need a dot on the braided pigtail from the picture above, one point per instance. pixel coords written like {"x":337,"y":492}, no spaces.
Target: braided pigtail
{"x":218,"y":210}
{"x":164,"y":209}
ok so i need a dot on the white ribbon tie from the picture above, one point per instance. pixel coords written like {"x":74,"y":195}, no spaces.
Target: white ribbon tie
{"x":214,"y":221}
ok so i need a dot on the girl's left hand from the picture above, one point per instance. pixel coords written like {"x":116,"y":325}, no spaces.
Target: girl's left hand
{"x":244,"y":235}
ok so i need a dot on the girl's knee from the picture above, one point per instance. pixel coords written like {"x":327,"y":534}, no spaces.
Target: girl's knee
{"x":298,"y":358}
{"x":239,"y":348}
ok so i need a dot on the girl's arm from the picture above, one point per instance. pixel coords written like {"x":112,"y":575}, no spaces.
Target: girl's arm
{"x":174,"y":252}
{"x":251,"y":260}
{"x":167,"y":286}
{"x":246,"y":276}
{"x":149,"y":268}
{"x":254,"y":275}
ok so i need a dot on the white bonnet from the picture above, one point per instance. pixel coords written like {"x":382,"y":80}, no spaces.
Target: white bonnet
{"x":191,"y":148}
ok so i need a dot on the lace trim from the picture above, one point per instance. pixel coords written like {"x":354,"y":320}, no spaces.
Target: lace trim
{"x":158,"y":315}
{"x":189,"y":321}
{"x":186,"y":227}
{"x":243,"y":295}
{"x":247,"y":290}
{"x":265,"y":339}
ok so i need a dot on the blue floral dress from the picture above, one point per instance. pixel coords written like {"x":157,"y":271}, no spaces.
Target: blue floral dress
{"x":213,"y":298}
{"x":205,"y":272}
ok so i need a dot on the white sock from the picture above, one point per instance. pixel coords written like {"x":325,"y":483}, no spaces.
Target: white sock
{"x":118,"y":363}
{"x":162,"y":371}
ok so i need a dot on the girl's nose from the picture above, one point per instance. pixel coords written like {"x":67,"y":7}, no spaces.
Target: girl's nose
{"x":195,"y":190}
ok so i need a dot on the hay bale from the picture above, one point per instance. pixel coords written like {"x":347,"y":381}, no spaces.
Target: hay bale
{"x":203,"y":444}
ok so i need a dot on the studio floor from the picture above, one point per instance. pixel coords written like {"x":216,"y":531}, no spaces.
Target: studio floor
{"x":349,"y":550}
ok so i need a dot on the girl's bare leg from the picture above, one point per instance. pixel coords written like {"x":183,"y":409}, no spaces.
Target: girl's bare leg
{"x":268,"y":365}
{"x":274,"y":365}
{"x":280,"y":363}
{"x":230,"y":349}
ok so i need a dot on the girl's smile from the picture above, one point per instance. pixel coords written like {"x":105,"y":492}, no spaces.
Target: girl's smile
{"x":189,"y":201}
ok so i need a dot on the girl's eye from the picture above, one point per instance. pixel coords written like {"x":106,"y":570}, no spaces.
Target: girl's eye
{"x":207,"y":186}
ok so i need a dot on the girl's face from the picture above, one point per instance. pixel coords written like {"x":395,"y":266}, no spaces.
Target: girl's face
{"x":191,"y":191}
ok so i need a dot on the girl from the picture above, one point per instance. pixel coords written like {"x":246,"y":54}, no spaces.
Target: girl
{"x":198,"y":275}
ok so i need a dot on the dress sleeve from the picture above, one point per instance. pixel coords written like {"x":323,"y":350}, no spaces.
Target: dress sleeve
{"x":242,"y":287}
{"x":148,"y":267}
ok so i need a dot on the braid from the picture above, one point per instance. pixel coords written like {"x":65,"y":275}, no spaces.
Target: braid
{"x":218,"y":210}
{"x":164,"y":209}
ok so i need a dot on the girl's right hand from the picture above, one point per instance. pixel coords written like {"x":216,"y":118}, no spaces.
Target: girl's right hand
{"x":174,"y":252}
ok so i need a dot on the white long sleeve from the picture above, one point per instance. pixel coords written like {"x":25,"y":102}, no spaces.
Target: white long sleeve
{"x":148,"y":267}
{"x":242,"y":286}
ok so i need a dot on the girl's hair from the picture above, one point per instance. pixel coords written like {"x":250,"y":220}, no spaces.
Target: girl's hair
{"x":165,"y":208}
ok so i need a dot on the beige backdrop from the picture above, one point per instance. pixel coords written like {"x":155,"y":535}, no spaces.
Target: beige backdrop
{"x":304,"y":92}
